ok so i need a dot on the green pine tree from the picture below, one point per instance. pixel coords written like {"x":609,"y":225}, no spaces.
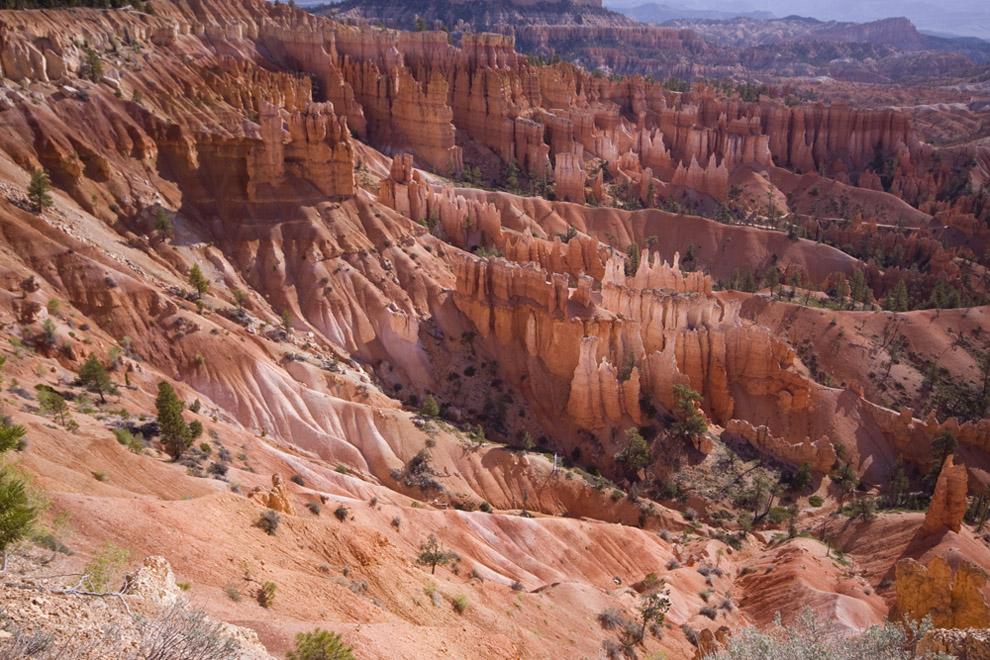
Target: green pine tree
{"x":176,"y":437}
{"x":38,"y":196}
{"x":94,"y":67}
{"x":430,"y":407}
{"x":197,"y":280}
{"x":162,"y":222}
{"x":94,"y":377}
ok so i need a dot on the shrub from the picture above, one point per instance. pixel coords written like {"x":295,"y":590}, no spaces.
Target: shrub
{"x":485,"y":507}
{"x":320,"y":645}
{"x":816,"y":501}
{"x":690,"y":514}
{"x":104,"y":566}
{"x":127,"y":439}
{"x":612,"y":649}
{"x":692,"y":636}
{"x":708,"y":611}
{"x":778,"y":514}
{"x":341,"y":512}
{"x":177,"y":633}
{"x":610,"y":618}
{"x":232,"y":592}
{"x":810,"y":637}
{"x":269,"y":521}
{"x":517,"y":585}
{"x":296,"y":479}
{"x":673,"y":564}
{"x":266,"y":594}
{"x":460,"y":603}
{"x":341,"y":468}
{"x":313,"y":507}
{"x":397,"y":522}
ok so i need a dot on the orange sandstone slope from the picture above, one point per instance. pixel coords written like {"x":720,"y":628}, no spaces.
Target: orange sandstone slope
{"x":343,"y":292}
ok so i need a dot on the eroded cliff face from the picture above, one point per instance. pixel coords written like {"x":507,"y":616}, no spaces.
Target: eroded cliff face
{"x":953,"y":599}
{"x":413,"y":92}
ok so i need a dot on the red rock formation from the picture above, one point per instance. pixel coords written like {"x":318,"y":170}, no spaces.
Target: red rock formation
{"x":952,"y":601}
{"x":948,"y":504}
{"x":276,"y":498}
{"x":819,"y":454}
{"x":570,"y":177}
{"x":317,"y":149}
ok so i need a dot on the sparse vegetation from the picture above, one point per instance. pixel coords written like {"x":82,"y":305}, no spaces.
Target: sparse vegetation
{"x":811,"y":637}
{"x":269,"y":521}
{"x":432,"y":554}
{"x":320,"y":645}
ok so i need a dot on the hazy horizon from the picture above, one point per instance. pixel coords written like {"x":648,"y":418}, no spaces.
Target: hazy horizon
{"x":959,"y":17}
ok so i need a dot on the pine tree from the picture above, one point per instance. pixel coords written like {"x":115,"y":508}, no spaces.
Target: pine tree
{"x":772,"y":278}
{"x":162,"y":222}
{"x":38,"y":196}
{"x":197,"y":280}
{"x":636,"y":455}
{"x":944,"y":445}
{"x":632,"y":265}
{"x":901,"y":301}
{"x":690,"y":422}
{"x":94,"y":67}
{"x":897,"y":485}
{"x":841,"y":289}
{"x":430,"y":407}
{"x":749,"y":282}
{"x":94,"y":377}
{"x":176,"y":437}
{"x":857,"y":286}
{"x":734,"y":280}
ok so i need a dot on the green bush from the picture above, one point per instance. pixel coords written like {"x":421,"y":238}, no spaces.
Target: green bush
{"x":816,"y":501}
{"x":809,"y":637}
{"x":460,"y":603}
{"x":778,"y":514}
{"x":320,"y":645}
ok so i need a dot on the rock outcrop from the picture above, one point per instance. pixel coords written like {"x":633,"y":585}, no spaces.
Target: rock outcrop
{"x":951,"y":600}
{"x":153,"y":581}
{"x":276,"y":498}
{"x":969,"y":644}
{"x":948,"y":503}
